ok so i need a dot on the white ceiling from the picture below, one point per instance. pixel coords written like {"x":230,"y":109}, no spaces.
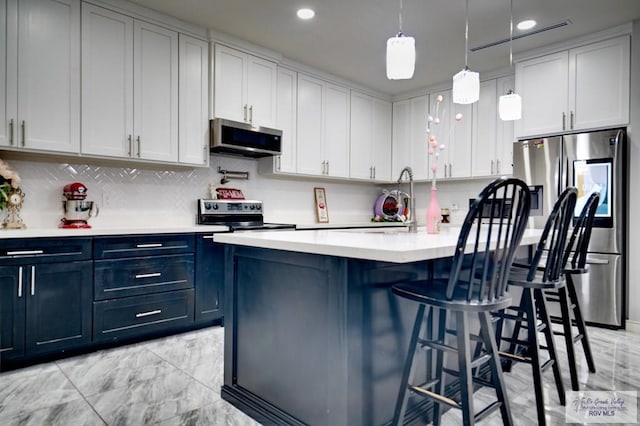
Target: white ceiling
{"x":347,"y":38}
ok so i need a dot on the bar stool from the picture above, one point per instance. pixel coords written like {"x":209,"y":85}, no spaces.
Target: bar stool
{"x":575,"y":263}
{"x":476,"y":285}
{"x":541,"y":275}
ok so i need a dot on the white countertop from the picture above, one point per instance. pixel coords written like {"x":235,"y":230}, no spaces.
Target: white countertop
{"x":386,"y":245}
{"x":111,"y":230}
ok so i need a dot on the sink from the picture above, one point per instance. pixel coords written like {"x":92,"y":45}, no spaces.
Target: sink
{"x":379,"y":230}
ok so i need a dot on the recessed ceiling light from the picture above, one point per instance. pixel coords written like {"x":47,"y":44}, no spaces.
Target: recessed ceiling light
{"x":526,"y":24}
{"x":306,"y":13}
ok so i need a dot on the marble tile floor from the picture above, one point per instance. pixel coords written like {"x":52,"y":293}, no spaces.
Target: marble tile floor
{"x":176,"y":381}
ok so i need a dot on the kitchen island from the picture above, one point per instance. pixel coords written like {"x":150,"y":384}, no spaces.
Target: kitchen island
{"x":312,"y":333}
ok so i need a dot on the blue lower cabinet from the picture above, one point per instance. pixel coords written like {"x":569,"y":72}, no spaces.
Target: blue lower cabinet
{"x":12,"y":312}
{"x":209,"y":283}
{"x":130,"y":317}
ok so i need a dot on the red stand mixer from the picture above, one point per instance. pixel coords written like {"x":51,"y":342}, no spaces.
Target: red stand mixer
{"x":77,"y":210}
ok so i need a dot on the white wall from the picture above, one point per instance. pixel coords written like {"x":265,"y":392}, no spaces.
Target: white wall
{"x":633,"y":292}
{"x":144,"y":195}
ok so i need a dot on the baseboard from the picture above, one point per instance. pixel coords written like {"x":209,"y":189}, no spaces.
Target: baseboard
{"x":633,"y":326}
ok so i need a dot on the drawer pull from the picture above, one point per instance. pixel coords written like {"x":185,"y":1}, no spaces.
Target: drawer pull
{"x":20,"y":281}
{"x":149,"y":245}
{"x":33,"y":280}
{"x":151,"y":275}
{"x":24,"y":252}
{"x":146,"y":314}
{"x":207,"y":237}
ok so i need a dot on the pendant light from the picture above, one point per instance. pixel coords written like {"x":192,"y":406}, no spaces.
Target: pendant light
{"x":466,"y":83}
{"x":510,"y":105}
{"x":401,"y":54}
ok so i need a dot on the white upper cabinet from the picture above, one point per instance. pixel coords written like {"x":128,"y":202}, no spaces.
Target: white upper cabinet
{"x":409,"y":142}
{"x":492,"y":138}
{"x":244,"y":87}
{"x":580,"y":89}
{"x":194,"y":104}
{"x":286,"y":119}
{"x":40,"y":74}
{"x":370,"y":138}
{"x":323,"y":128}
{"x":129,"y":87}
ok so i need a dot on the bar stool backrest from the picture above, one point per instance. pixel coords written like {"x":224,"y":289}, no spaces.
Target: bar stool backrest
{"x":576,"y":251}
{"x":490,"y":235}
{"x":554,"y":238}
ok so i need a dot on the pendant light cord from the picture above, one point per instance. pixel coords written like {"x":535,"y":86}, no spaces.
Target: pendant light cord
{"x":466,"y":37}
{"x":400,"y":18}
{"x":511,"y":35}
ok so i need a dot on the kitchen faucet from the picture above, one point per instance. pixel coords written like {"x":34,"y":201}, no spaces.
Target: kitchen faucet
{"x":412,"y":222}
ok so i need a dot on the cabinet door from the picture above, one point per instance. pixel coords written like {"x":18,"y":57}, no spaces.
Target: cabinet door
{"x":209,"y":279}
{"x":58,"y":306}
{"x":194,"y":109}
{"x":6,"y":117}
{"x":505,"y":136}
{"x":400,"y":146}
{"x":155,"y":76}
{"x":286,"y":119}
{"x":107,"y":82}
{"x":599,"y":84}
{"x":362,"y":136}
{"x":543,"y":84}
{"x":418,"y":151}
{"x":381,"y":140}
{"x":49,"y":70}
{"x":310,"y":156}
{"x":12,"y":311}
{"x":336,"y":130}
{"x":459,"y":151}
{"x":261,"y":91}
{"x":230,"y":98}
{"x":485,"y":120}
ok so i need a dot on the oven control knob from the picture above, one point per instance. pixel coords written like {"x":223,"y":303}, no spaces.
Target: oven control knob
{"x":253,"y":207}
{"x":207,"y":206}
{"x":214,"y":206}
{"x":258,"y":206}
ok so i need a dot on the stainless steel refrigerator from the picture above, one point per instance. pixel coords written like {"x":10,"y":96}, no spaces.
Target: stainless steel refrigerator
{"x":594,"y":161}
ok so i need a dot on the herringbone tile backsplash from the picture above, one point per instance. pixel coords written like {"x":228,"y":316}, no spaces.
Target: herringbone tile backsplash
{"x":150,"y":195}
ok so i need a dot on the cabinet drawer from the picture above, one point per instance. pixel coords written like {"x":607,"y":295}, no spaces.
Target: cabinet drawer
{"x":143,"y":275}
{"x":139,"y":315}
{"x":44,"y":250}
{"x":142,"y":245}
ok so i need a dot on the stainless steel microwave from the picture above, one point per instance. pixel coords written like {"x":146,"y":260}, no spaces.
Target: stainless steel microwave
{"x":232,"y":137}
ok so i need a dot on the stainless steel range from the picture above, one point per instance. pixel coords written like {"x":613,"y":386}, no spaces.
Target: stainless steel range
{"x":238,"y":215}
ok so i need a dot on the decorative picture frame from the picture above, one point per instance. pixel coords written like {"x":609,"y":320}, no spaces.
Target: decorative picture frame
{"x":322,"y":211}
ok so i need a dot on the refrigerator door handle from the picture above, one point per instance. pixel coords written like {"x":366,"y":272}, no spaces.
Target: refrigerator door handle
{"x":594,"y":261}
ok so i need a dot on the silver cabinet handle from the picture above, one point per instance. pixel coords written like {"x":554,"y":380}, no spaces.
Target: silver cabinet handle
{"x":152,"y":245}
{"x":498,"y":166}
{"x":138,"y":140}
{"x":130,"y":138}
{"x":146,"y":314}
{"x":24,"y":252}
{"x":571,"y":120}
{"x":33,"y":280}
{"x":327,"y":167}
{"x":245,"y":112}
{"x":20,"y":281}
{"x":11,"y":132}
{"x":491,"y":166}
{"x":564,"y":121}
{"x":374,"y":172}
{"x":205,"y":150}
{"x":207,"y":237}
{"x":251,"y":114}
{"x":151,"y":275}
{"x":24,"y":132}
{"x":278,"y":163}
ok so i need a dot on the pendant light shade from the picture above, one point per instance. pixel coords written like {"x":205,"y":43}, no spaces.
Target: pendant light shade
{"x":510,"y":107}
{"x":466,"y":84}
{"x":401,"y":57}
{"x":466,"y":87}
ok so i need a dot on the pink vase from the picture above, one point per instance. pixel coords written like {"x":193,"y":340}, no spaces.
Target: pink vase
{"x":433,"y":213}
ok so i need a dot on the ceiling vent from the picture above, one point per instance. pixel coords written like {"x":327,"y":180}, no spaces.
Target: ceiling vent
{"x":523,"y":35}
